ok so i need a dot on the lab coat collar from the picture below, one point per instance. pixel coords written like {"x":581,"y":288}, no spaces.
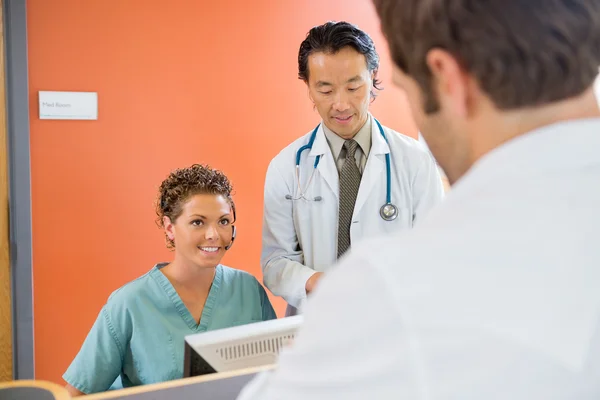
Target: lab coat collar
{"x":320,"y":145}
{"x":375,"y":168}
{"x":561,"y":146}
{"x":378,"y":144}
{"x":326,"y":166}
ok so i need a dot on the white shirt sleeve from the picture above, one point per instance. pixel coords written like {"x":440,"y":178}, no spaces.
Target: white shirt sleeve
{"x":349,"y":346}
{"x":281,"y":257}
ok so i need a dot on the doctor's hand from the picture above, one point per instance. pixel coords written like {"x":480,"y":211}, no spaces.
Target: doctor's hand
{"x":312,"y":282}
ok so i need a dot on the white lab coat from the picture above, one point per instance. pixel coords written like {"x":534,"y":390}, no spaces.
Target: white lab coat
{"x":496,"y":295}
{"x":300,"y":237}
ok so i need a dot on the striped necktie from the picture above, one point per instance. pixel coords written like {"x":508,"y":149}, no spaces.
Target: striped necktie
{"x":349,"y":184}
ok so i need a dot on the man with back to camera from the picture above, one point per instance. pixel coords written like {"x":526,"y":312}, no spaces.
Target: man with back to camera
{"x":495,"y":295}
{"x":348,"y":179}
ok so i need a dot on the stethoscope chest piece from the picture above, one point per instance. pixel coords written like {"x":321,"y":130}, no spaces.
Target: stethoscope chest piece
{"x":388,"y":212}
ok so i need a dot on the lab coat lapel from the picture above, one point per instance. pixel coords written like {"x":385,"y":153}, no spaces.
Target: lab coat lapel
{"x":374,"y":172}
{"x":326,"y":166}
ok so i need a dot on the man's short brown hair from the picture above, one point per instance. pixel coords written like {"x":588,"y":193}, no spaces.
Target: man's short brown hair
{"x":523,"y":53}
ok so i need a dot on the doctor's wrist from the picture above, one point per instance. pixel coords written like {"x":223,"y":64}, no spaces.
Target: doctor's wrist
{"x":312,"y":282}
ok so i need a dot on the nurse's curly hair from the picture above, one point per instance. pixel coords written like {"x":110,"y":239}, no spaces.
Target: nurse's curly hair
{"x":184,"y":183}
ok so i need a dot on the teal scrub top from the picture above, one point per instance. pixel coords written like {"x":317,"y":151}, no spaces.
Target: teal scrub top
{"x":139,"y":333}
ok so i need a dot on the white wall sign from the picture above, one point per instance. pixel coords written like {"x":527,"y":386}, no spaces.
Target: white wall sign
{"x":68,"y":105}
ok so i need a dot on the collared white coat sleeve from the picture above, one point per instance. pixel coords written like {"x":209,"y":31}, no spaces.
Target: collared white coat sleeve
{"x":281,"y":258}
{"x":428,"y":187}
{"x":350,"y":352}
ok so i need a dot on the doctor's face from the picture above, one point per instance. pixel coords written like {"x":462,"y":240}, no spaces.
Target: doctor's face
{"x":202,"y":230}
{"x":340,"y":87}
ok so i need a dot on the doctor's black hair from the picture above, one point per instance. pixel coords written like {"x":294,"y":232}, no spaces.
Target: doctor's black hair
{"x":184,"y":183}
{"x":330,"y":38}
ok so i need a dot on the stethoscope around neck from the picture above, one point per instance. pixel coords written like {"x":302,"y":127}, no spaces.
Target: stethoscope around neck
{"x":388,"y":211}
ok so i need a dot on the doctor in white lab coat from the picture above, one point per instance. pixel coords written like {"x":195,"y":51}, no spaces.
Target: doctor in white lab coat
{"x":300,"y":232}
{"x":496,"y":294}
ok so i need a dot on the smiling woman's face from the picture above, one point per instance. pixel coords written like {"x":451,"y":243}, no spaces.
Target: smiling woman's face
{"x":202,"y":230}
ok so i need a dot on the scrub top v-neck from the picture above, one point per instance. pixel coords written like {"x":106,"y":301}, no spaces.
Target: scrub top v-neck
{"x":139,"y":333}
{"x":183,"y":311}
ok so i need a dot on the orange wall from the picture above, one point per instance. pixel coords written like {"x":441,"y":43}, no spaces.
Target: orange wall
{"x":179,"y":82}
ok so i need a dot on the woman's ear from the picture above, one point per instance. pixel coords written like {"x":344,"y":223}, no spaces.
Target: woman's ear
{"x":169,"y":227}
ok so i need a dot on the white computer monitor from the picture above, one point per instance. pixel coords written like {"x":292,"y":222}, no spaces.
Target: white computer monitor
{"x":252,"y":345}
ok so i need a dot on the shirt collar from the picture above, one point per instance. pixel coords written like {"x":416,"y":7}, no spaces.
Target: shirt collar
{"x":362,"y":137}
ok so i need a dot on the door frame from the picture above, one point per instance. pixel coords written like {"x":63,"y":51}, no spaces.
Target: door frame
{"x":19,"y":186}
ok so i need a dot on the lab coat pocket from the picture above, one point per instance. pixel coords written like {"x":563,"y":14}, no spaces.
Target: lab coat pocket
{"x":307,"y":210}
{"x":308,"y":215}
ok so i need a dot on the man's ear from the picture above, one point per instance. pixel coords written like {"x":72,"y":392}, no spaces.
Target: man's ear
{"x":450,"y":81}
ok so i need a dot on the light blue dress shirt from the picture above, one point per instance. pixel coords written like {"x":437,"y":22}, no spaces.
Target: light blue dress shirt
{"x":138,"y":337}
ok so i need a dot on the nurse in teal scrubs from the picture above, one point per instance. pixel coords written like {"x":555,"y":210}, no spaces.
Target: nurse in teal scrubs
{"x":138,"y":337}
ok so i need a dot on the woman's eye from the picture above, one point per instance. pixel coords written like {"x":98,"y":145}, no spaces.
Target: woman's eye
{"x":196,"y":222}
{"x":224,"y":222}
